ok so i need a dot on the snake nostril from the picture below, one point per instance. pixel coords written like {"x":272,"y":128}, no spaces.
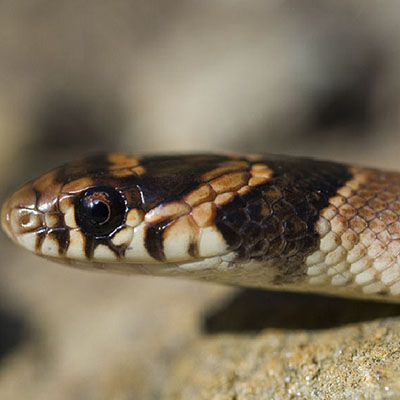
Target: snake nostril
{"x":23,"y":220}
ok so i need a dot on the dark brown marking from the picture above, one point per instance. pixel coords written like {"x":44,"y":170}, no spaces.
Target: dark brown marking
{"x":90,"y":245}
{"x":154,"y":241}
{"x":62,"y":237}
{"x":119,"y":251}
{"x":291,"y":201}
{"x":40,"y":236}
{"x":193,"y":249}
{"x":169,"y":178}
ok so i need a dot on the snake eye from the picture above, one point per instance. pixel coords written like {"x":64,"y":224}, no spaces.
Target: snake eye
{"x":99,"y":211}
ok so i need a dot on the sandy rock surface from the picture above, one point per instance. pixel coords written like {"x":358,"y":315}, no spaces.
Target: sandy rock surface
{"x":358,"y":361}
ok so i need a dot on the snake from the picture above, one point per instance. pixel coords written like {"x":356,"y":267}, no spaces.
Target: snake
{"x":248,"y":220}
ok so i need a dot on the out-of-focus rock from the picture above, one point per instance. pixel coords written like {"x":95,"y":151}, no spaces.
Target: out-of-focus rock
{"x":360,"y":361}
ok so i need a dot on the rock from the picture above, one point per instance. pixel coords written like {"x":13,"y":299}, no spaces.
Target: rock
{"x":356,"y":361}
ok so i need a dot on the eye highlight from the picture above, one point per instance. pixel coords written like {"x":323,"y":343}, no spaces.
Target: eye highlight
{"x":100,"y":210}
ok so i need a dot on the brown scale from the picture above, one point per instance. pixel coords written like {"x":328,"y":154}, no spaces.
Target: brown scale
{"x":275,"y":221}
{"x":364,"y":219}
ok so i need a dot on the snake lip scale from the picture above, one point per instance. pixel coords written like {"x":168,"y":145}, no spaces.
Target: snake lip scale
{"x":266,"y":221}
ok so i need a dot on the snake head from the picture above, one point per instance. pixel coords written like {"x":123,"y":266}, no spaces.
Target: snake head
{"x":120,"y":210}
{"x":77,"y":210}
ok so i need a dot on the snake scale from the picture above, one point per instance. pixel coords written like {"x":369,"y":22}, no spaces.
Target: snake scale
{"x":266,"y":221}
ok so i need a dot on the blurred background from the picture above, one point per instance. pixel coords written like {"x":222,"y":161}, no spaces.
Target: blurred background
{"x":307,"y":78}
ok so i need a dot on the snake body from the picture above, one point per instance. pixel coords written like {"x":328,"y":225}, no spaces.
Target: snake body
{"x":262,"y":221}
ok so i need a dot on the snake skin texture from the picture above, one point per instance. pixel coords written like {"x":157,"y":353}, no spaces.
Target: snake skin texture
{"x":262,"y":221}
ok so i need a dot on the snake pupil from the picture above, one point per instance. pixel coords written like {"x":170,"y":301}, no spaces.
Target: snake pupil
{"x":100,"y":211}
